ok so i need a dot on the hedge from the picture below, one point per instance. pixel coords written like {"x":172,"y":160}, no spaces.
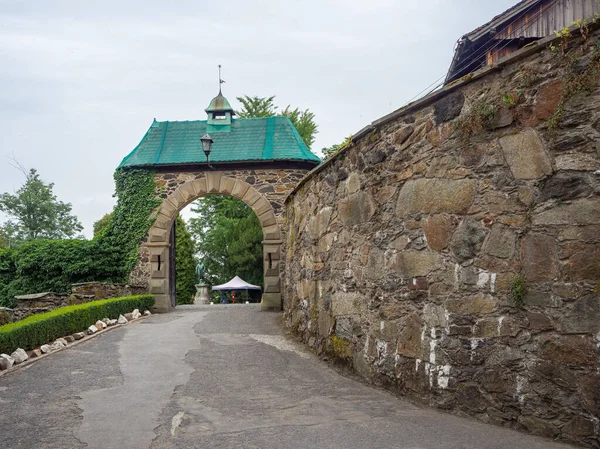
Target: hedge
{"x":40,"y":329}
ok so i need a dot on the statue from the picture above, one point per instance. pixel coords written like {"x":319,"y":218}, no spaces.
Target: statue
{"x":201,"y":288}
{"x":200,"y":270}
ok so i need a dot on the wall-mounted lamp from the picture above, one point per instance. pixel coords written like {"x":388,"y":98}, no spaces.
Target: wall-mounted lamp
{"x":207,"y":146}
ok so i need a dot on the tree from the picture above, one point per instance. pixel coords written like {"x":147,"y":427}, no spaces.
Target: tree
{"x":328,"y":151}
{"x":303,"y":121}
{"x":35,"y":212}
{"x":253,"y":107}
{"x":101,"y":225}
{"x":228,"y":238}
{"x":185,"y":263}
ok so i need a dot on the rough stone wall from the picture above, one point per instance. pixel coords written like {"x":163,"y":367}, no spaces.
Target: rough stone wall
{"x":402,"y":250}
{"x":104,"y":290}
{"x":10,"y":315}
{"x":80,"y":293}
{"x":274,"y":184}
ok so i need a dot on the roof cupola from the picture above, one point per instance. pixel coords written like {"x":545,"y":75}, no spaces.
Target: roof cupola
{"x":219,"y":110}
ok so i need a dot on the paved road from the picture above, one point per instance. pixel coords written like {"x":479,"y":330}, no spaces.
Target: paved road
{"x":216,"y":377}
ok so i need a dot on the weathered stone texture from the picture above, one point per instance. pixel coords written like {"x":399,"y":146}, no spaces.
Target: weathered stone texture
{"x":262,"y":189}
{"x":407,"y":244}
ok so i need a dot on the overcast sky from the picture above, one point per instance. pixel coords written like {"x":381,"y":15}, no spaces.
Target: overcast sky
{"x":81,"y":81}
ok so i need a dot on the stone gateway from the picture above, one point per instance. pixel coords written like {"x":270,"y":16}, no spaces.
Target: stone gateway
{"x":258,"y":161}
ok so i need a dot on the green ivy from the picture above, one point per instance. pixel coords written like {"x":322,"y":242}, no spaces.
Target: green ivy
{"x":53,"y":265}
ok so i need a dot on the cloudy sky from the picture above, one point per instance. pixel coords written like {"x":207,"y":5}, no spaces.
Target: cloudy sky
{"x":81,"y":81}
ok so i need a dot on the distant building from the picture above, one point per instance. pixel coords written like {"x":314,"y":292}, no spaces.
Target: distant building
{"x":526,"y":22}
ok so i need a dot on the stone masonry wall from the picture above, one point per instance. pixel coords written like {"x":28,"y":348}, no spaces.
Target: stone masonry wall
{"x":403,"y":249}
{"x":274,"y":184}
{"x":35,"y":303}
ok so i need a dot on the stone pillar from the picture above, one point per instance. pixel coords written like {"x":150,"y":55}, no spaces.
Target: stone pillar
{"x":201,"y":294}
{"x":159,"y":281}
{"x":271,"y":299}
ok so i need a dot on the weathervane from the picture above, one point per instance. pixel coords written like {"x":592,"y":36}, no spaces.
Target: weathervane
{"x":221,"y":81}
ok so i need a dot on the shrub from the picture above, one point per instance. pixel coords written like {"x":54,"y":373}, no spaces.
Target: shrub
{"x":53,"y":265}
{"x":39,"y":329}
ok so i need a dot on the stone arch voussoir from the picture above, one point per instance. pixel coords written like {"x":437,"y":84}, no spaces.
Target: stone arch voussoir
{"x":214,"y":183}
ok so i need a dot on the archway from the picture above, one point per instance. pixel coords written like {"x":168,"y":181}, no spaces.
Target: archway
{"x":159,"y":246}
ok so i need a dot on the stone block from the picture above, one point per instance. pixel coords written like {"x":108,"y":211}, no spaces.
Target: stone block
{"x":438,"y":230}
{"x":356,"y":209}
{"x":163,"y":221}
{"x":572,"y":350}
{"x":539,"y":426}
{"x":467,"y":239}
{"x":157,"y":235}
{"x":187,"y":192}
{"x":449,"y":107}
{"x":261,"y":206}
{"x":547,"y":99}
{"x":581,"y":233}
{"x":267,"y":218}
{"x":403,"y":134}
{"x":589,"y":391}
{"x":409,"y":337}
{"x":227,"y":185}
{"x":348,"y":303}
{"x":324,"y":323}
{"x":213,"y":182}
{"x":272,"y":284}
{"x":162,"y":304}
{"x":411,"y":264}
{"x":240,"y":188}
{"x":581,"y":317}
{"x":580,"y":426}
{"x":479,"y":304}
{"x":435,"y":196}
{"x":583,"y":264}
{"x":539,"y":258}
{"x":344,"y":327}
{"x":539,"y":322}
{"x":566,"y":186}
{"x":501,"y":242}
{"x":168,"y":208}
{"x":525,"y":155}
{"x":576,"y":161}
{"x":251,"y":197}
{"x":501,"y":202}
{"x":273,"y":249}
{"x":352,"y":183}
{"x":178,"y":199}
{"x":271,"y":302}
{"x":199,"y":186}
{"x":158,"y":286}
{"x":271,"y":233}
{"x":434,"y":315}
{"x":579,"y":212}
{"x":319,"y":223}
{"x":496,"y":327}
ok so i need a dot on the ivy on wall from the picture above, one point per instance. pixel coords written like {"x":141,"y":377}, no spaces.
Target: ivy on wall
{"x":53,"y":265}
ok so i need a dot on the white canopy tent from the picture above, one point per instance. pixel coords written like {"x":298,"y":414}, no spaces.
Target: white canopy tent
{"x":236,"y":283}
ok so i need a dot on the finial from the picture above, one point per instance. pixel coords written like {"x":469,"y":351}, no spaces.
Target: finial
{"x":220,"y":80}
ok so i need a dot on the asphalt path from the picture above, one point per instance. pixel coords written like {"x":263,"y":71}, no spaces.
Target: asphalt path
{"x":217,"y":377}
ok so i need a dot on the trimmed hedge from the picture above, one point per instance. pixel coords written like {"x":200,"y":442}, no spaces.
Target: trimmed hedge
{"x":40,"y":329}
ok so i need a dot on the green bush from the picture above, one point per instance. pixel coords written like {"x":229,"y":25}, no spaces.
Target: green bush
{"x":53,"y":265}
{"x":40,"y":329}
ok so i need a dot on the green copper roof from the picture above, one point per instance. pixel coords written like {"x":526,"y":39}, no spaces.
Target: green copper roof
{"x":219,"y":103}
{"x":245,"y":140}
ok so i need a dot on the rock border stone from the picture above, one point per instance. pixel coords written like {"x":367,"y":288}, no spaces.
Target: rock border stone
{"x":63,"y":343}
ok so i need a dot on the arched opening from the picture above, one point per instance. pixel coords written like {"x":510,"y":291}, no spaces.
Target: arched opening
{"x":217,"y":238}
{"x":161,"y":236}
